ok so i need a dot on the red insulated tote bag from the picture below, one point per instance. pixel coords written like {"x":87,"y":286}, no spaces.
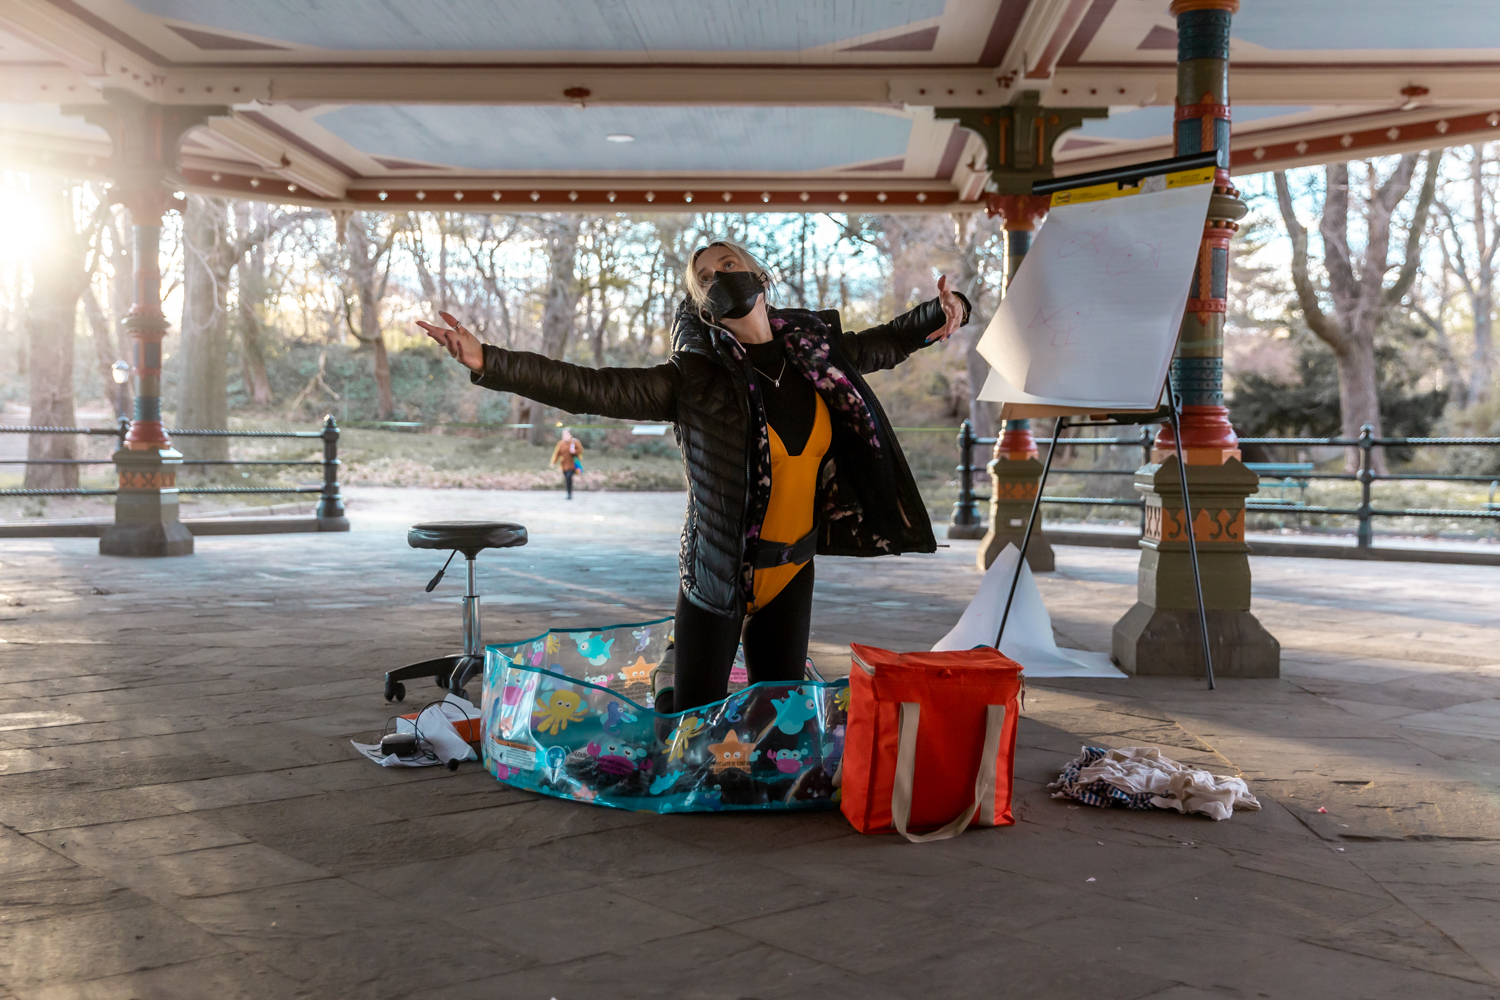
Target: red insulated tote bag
{"x":931,"y":741}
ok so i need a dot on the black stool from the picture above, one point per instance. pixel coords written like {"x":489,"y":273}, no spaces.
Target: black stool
{"x":470,"y":538}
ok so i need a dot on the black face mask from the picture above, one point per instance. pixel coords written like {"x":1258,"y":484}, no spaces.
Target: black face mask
{"x":732,"y":295}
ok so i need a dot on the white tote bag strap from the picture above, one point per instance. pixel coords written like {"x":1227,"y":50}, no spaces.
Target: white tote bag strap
{"x":906,"y":768}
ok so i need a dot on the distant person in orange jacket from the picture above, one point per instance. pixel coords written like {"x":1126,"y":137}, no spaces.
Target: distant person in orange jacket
{"x":569,"y":455}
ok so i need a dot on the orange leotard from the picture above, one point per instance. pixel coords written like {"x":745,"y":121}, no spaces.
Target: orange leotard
{"x":789,"y":513}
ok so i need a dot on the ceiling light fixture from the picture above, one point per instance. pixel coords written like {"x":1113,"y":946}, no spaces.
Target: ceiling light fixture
{"x":619,"y":137}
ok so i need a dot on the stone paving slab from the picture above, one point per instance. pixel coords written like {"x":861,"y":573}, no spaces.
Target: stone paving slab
{"x":181,"y":814}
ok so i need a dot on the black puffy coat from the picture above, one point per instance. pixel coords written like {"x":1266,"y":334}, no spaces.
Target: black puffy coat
{"x":703,"y":390}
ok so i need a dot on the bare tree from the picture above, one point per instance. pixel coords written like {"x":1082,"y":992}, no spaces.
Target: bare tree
{"x":1358,"y":293}
{"x":104,"y":320}
{"x":559,"y":302}
{"x":1471,"y":260}
{"x":59,"y":274}
{"x":366,"y":279}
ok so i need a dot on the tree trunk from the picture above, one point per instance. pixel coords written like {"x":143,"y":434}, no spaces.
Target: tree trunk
{"x":252,"y":295}
{"x":106,"y":352}
{"x":363,"y":274}
{"x":203,"y":386}
{"x":561,"y":233}
{"x":253,"y":358}
{"x":1359,"y":400}
{"x":57,"y":280}
{"x":1482,"y":371}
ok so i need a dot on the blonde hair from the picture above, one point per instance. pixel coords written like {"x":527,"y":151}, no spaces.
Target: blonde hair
{"x":697,"y":288}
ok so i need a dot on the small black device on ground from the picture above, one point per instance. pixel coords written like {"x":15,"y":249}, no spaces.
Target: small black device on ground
{"x":400,"y":744}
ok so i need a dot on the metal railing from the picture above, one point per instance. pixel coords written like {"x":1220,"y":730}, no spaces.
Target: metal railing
{"x":330,"y":505}
{"x":1364,"y":514}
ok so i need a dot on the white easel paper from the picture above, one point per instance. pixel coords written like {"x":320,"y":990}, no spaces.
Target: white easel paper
{"x":1028,"y":632}
{"x":1091,"y":317}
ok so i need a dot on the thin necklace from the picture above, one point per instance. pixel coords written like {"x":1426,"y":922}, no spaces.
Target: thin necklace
{"x":779,"y":375}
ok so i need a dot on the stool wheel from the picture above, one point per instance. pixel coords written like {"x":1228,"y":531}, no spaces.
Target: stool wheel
{"x":395,"y":691}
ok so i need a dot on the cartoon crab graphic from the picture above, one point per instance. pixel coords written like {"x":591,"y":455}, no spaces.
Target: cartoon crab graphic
{"x":619,"y":758}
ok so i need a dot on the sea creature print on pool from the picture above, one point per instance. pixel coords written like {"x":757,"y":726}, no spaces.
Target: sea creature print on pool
{"x":689,"y":727}
{"x":619,"y":758}
{"x":638,"y":672}
{"x":794,"y":710}
{"x":596,"y":737}
{"x":594,"y":649}
{"x":614,"y":715}
{"x":734,"y":754}
{"x":787,"y":761}
{"x":556,"y":709}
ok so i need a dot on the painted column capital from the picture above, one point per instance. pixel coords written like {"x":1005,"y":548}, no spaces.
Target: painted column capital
{"x":1186,"y":6}
{"x":1019,"y":138}
{"x":1019,"y":212}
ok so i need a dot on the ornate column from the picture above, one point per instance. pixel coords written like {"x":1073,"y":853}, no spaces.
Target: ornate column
{"x":1019,"y":139}
{"x":1015,"y":470}
{"x":1159,"y":635}
{"x":147,"y":140}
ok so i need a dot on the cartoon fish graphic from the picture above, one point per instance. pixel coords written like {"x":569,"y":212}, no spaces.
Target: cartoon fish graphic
{"x":662,"y":782}
{"x":594,"y":649}
{"x":793,"y":711}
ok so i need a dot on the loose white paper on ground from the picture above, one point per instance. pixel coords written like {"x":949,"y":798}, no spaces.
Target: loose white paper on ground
{"x":1091,"y":317}
{"x":1028,"y":632}
{"x":436,"y":735}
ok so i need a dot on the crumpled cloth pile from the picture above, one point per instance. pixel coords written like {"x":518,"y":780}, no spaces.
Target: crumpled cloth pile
{"x":1141,"y":778}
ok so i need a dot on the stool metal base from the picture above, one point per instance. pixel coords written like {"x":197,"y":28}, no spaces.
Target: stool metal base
{"x":451,"y":672}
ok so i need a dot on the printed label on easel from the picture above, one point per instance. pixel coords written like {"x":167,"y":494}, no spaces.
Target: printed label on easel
{"x":519,"y":756}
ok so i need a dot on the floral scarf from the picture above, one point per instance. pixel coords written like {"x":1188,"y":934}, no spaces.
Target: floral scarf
{"x":807,"y":343}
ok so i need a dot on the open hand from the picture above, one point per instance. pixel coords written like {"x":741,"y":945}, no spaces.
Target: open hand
{"x":459,"y":342}
{"x":953,"y":308}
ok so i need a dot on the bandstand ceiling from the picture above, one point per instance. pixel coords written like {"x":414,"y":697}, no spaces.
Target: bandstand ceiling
{"x":729,"y":104}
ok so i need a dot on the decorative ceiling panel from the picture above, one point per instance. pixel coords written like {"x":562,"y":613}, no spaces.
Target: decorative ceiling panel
{"x":555,"y":26}
{"x":736,"y":140}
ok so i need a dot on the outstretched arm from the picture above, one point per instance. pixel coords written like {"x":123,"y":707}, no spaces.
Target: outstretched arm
{"x":889,"y":344}
{"x":623,"y":393}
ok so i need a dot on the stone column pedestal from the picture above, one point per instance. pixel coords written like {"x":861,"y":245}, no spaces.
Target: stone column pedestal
{"x":1015,"y":474}
{"x":1160,"y":636}
{"x":146,"y":522}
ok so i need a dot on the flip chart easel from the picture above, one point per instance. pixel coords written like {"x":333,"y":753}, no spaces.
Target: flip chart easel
{"x":1171,"y":409}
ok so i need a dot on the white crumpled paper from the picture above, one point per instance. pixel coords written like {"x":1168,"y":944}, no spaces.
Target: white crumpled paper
{"x":1028,"y":631}
{"x":1172,"y":785}
{"x":436,"y":735}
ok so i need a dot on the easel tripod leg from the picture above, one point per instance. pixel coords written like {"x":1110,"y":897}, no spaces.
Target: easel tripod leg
{"x":1036,"y":505}
{"x":1187,"y":514}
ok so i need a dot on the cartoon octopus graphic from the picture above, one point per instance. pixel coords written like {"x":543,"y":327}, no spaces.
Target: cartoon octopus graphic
{"x":556,"y":710}
{"x":689,"y":727}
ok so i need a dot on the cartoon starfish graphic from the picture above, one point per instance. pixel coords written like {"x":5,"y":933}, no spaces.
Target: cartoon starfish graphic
{"x":638,"y":672}
{"x":733,"y":754}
